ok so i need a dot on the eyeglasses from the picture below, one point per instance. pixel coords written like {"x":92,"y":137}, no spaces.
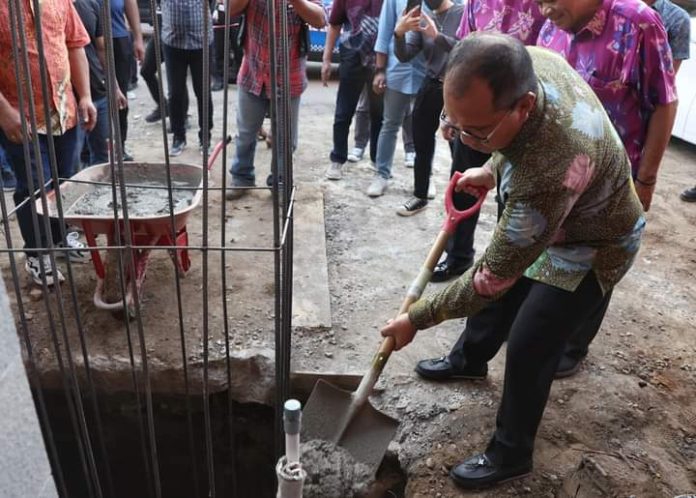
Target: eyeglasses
{"x":465,"y":134}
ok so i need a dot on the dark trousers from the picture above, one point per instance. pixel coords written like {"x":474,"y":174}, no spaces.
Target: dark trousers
{"x":353,"y":78}
{"x":579,"y":342}
{"x":235,"y":53}
{"x":66,"y":153}
{"x":426,"y":120}
{"x":148,"y":70}
{"x":123,"y":55}
{"x":533,"y":317}
{"x":178,"y":63}
{"x":460,"y":247}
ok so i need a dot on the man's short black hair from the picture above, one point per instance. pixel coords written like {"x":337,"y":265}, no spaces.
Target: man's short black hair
{"x":500,"y":60}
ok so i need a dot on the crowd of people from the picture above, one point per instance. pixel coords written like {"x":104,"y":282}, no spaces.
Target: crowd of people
{"x":563,"y":107}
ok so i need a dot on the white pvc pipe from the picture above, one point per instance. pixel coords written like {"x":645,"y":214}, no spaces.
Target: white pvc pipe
{"x":291,"y":479}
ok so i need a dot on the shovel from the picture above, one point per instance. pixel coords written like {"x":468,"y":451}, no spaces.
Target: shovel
{"x":347,"y":419}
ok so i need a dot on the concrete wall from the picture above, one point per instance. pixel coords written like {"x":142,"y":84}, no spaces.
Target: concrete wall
{"x":24,"y":467}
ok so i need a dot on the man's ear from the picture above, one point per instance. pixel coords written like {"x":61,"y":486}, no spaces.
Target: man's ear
{"x":527,"y":103}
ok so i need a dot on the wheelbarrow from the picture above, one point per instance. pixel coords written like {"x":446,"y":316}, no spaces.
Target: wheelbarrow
{"x":347,"y":419}
{"x":88,"y":203}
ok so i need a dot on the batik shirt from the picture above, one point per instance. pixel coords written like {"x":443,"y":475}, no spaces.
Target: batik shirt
{"x":623,"y":53}
{"x":255,"y":72}
{"x":519,"y":18}
{"x":570,"y":207}
{"x":62,"y":30}
{"x":678,"y":25}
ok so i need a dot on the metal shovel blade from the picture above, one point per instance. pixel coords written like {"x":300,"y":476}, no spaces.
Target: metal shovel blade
{"x":365,"y":434}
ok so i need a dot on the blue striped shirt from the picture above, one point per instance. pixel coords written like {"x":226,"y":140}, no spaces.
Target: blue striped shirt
{"x":182,"y":24}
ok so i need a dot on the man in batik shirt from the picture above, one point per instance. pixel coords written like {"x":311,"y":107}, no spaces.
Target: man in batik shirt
{"x":569,"y":231}
{"x":520,"y":19}
{"x":620,"y":48}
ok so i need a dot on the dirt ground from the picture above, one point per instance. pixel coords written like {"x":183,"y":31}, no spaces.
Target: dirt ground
{"x":625,"y":425}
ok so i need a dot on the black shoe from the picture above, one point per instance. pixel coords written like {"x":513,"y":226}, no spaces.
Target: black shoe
{"x":269,"y":181}
{"x":479,"y":472}
{"x":446,"y":270}
{"x":217,"y":85}
{"x":178,"y":146}
{"x":442,"y":369}
{"x":689,"y":195}
{"x":127,"y":156}
{"x":567,"y":367}
{"x":154,"y":116}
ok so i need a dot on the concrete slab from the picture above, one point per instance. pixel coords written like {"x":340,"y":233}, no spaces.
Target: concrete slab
{"x":24,"y":467}
{"x":311,"y":304}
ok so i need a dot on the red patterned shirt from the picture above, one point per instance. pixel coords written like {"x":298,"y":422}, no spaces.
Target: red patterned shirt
{"x":255,"y":72}
{"x":62,"y":30}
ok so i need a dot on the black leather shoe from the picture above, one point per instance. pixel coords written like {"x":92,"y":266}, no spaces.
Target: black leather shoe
{"x":479,"y":472}
{"x":567,"y":367}
{"x":446,"y":270}
{"x":442,"y":369}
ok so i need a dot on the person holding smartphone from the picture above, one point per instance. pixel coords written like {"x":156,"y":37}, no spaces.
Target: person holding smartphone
{"x":416,"y":32}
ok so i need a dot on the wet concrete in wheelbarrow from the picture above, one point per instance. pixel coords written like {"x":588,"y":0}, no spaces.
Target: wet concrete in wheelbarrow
{"x":630,"y":410}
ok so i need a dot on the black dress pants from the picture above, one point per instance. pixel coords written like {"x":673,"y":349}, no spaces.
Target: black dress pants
{"x":534,"y":318}
{"x":178,"y":63}
{"x":236,"y":53}
{"x":148,"y":70}
{"x":460,"y":247}
{"x":426,"y":121}
{"x":123,"y":55}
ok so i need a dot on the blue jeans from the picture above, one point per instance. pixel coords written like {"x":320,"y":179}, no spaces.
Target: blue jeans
{"x":97,"y":138}
{"x":65,"y":146}
{"x":396,"y":106}
{"x":251,"y":110}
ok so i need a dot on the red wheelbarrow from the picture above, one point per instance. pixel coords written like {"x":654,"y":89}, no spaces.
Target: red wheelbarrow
{"x":88,"y":203}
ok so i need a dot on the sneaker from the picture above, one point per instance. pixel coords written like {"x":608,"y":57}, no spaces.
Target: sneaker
{"x":127,"y":156}
{"x":410,"y":159}
{"x":33,"y":267}
{"x":178,"y":146}
{"x":431,"y":190}
{"x":412,"y":206}
{"x":9,"y":182}
{"x":378,"y":186}
{"x":235,"y":191}
{"x":689,"y":195}
{"x":200,"y":148}
{"x":334,"y":171}
{"x":154,"y":116}
{"x":78,"y":252}
{"x":356,"y":154}
{"x":217,"y":85}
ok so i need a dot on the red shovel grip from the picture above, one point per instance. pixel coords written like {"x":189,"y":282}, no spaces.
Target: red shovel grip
{"x":454,"y":216}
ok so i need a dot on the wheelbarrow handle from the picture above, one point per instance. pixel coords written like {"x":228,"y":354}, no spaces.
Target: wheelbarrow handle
{"x":216,"y":151}
{"x":452,"y":219}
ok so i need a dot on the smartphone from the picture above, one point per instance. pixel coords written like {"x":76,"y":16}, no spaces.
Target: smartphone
{"x":410,"y":4}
